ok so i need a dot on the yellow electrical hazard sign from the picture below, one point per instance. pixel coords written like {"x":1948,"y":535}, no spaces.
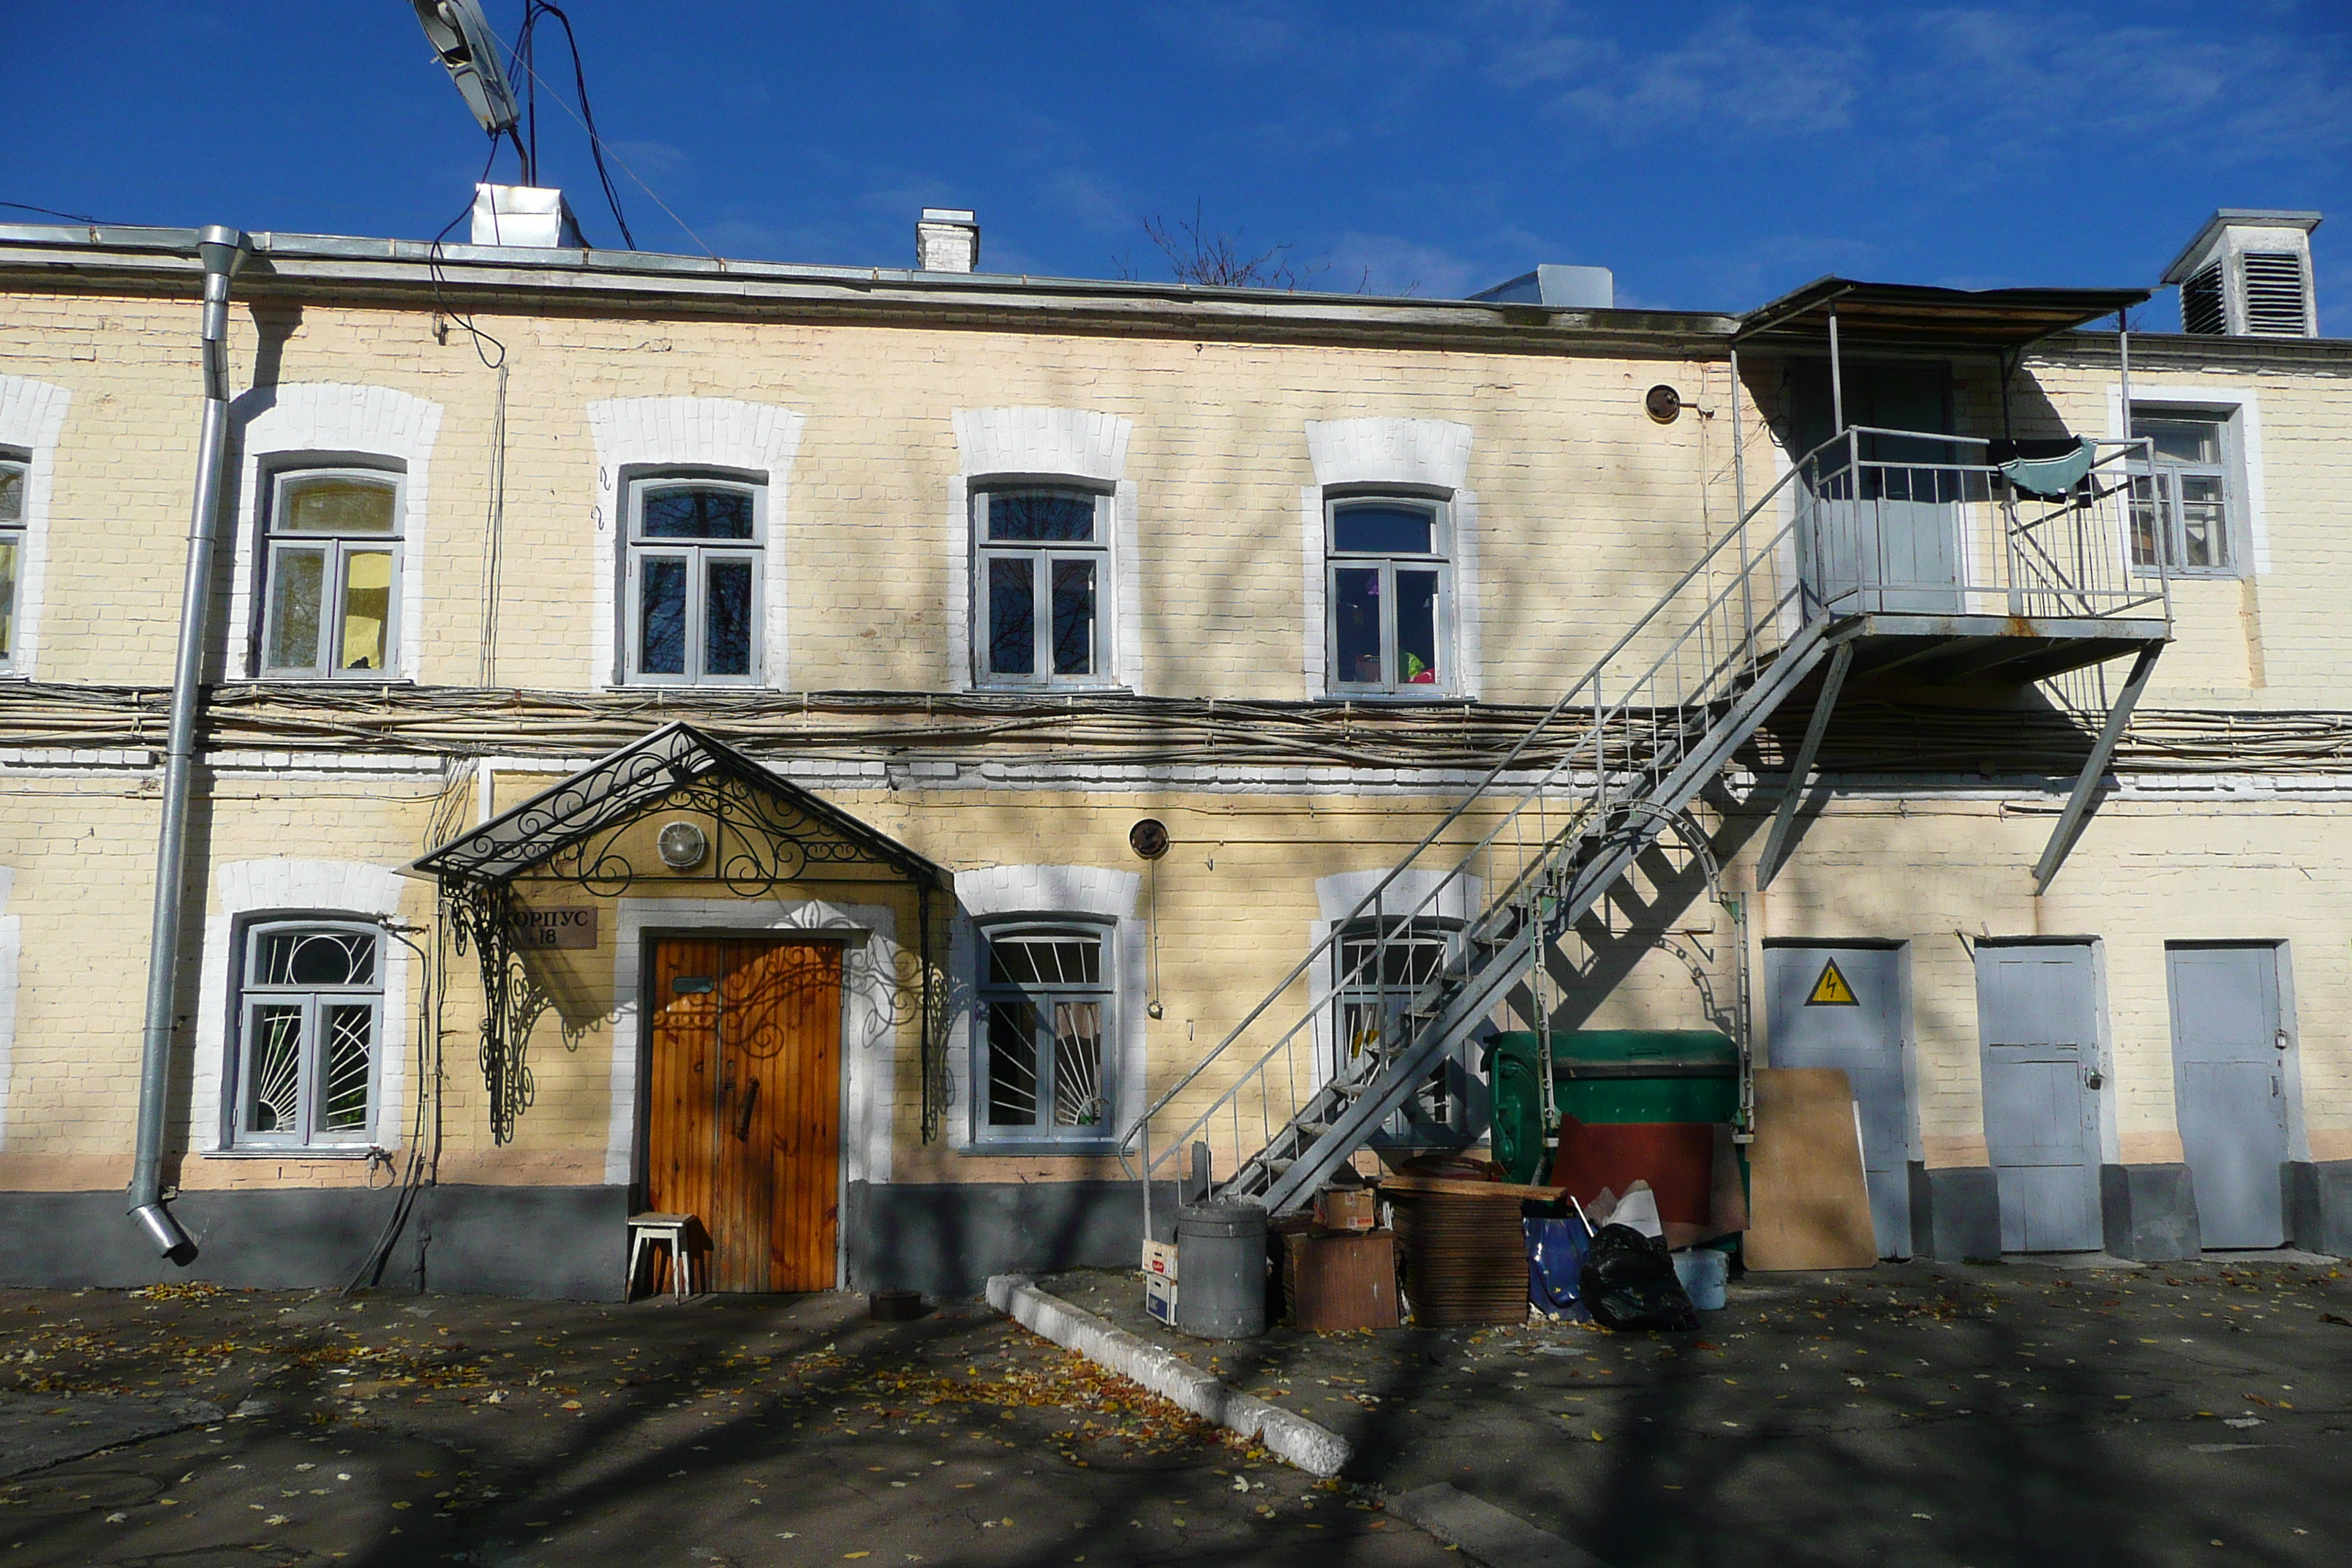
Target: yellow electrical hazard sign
{"x":1831,"y":990}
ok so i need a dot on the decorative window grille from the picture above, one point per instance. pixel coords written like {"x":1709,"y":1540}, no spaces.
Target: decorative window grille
{"x":1391,"y":591}
{"x":1046,"y":1020}
{"x":1044,"y":586}
{"x":332,"y":575}
{"x":1379,"y":965}
{"x":310,"y":1012}
{"x":694,"y":599}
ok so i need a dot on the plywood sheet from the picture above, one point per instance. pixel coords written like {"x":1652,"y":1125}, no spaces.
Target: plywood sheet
{"x":1810,"y":1199}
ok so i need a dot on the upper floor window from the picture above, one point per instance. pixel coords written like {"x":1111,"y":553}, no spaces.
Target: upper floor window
{"x":693,"y":605}
{"x":1390,"y":593}
{"x":1044,"y":585}
{"x":332,"y":572}
{"x":310,"y":1009}
{"x":2183,"y":512}
{"x":1045,"y":1008}
{"x":12,"y":553}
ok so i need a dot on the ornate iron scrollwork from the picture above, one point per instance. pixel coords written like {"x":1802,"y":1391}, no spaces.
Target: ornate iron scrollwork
{"x":481,"y":915}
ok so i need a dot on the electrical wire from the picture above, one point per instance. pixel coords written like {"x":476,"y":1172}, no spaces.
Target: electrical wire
{"x":585,"y":119}
{"x":52,"y":212}
{"x":432,"y":271}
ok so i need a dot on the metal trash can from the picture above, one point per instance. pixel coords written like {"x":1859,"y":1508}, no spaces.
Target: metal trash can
{"x":1221,"y":1269}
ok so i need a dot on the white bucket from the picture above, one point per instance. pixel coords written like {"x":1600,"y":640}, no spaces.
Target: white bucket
{"x":1704,"y":1273}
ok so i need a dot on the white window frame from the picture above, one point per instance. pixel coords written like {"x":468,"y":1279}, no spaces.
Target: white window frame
{"x":17,"y":536}
{"x":1102,"y":551}
{"x":333,"y":583}
{"x":1392,"y":686}
{"x":699,"y":556}
{"x":252,"y":994}
{"x":988,"y":1135}
{"x":2236,"y":542}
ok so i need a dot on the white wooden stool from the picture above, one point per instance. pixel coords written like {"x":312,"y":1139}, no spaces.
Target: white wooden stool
{"x":653,"y":1230}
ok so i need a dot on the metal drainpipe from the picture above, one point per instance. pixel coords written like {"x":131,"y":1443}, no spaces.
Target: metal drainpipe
{"x":223,"y":251}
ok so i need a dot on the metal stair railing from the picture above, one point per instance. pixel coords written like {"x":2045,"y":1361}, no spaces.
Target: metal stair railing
{"x":1540,"y":837}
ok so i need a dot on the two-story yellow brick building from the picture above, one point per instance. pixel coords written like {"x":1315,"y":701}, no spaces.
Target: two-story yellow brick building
{"x":845,"y":754}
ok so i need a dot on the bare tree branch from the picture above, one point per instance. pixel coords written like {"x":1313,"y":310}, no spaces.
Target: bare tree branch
{"x":1196,"y":254}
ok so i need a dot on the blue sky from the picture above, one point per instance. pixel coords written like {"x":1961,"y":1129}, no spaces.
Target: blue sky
{"x":1714,"y":155}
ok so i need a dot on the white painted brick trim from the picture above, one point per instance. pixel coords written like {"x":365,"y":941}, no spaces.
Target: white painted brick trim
{"x":2248,"y":404}
{"x":11,"y":938}
{"x":327,"y":417}
{"x":32,"y":418}
{"x":994,"y":892}
{"x":1045,"y":443}
{"x":345,"y":888}
{"x":870,"y":1011}
{"x":692,"y":432}
{"x":1433,"y":454}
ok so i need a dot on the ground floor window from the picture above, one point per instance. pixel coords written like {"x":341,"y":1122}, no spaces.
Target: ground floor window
{"x":1379,"y":966}
{"x":310,"y":1012}
{"x":1045,"y":1018}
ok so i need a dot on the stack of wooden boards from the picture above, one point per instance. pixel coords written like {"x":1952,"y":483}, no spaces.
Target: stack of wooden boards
{"x":1466,"y":1253}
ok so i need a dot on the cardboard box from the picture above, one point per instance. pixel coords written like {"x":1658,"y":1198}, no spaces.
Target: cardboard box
{"x":1346,"y":1208}
{"x":1160,"y":1298}
{"x":1159,"y":1258}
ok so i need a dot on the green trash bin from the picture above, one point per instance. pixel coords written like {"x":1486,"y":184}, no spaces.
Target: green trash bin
{"x":1607,"y":1075}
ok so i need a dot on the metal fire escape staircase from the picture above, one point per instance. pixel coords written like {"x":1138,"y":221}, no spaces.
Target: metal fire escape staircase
{"x":1541,"y":838}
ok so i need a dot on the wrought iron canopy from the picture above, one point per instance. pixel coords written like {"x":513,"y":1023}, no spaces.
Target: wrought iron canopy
{"x":668,"y":767}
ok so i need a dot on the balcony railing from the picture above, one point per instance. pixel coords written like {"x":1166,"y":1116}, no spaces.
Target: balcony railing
{"x":1895,"y":522}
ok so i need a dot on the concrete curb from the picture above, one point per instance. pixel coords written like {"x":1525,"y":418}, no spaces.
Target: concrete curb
{"x":1316,"y":1449}
{"x":1485,"y":1534}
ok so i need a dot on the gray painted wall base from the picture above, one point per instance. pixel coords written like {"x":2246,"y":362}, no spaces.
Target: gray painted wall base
{"x":2319,"y":1206}
{"x":1954,"y":1212}
{"x":946,"y":1238}
{"x":2148,"y":1213}
{"x":564,"y":1242}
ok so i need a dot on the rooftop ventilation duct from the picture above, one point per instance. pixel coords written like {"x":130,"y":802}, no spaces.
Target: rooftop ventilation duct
{"x":946,"y":240}
{"x":1562,"y":287}
{"x":2248,"y":275}
{"x":526,"y":216}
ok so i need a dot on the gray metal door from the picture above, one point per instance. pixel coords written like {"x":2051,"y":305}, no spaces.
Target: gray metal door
{"x":1842,"y":1007}
{"x":2037,"y":1017}
{"x":2229,"y":1081}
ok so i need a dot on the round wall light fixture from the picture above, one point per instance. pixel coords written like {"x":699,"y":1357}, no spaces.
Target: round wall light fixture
{"x":1663,"y":402}
{"x":1149,"y":838}
{"x":682,"y":844}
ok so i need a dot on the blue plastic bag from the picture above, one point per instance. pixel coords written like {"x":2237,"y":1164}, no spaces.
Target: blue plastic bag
{"x":1556,"y":1249}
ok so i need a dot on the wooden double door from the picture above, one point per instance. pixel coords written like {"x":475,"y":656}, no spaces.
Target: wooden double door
{"x":744,"y":1122}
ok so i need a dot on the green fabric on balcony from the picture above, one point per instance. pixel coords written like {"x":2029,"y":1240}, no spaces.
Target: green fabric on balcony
{"x":2052,"y":478}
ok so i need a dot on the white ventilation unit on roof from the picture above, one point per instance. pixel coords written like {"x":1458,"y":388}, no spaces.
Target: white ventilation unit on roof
{"x":2248,"y":274}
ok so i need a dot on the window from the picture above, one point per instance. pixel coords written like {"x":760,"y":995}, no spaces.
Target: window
{"x":1373,"y":981}
{"x":12,"y":553}
{"x":333,"y":562}
{"x":693,"y":604}
{"x":1045,"y":1015}
{"x":2181,"y":511}
{"x":1391,"y":592}
{"x":311,"y":1011}
{"x":1043,"y":583}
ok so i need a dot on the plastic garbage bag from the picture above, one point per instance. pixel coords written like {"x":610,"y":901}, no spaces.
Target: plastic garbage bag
{"x":1555,"y":1251}
{"x":1628,"y":1282}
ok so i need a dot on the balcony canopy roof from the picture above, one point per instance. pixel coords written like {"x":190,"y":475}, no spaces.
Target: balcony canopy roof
{"x":1910,"y":316}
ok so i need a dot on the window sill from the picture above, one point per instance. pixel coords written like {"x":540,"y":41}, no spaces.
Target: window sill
{"x":1039,"y":1147}
{"x":321,"y":682}
{"x":1000,"y":689}
{"x":296,"y":1151}
{"x":1390,"y":699}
